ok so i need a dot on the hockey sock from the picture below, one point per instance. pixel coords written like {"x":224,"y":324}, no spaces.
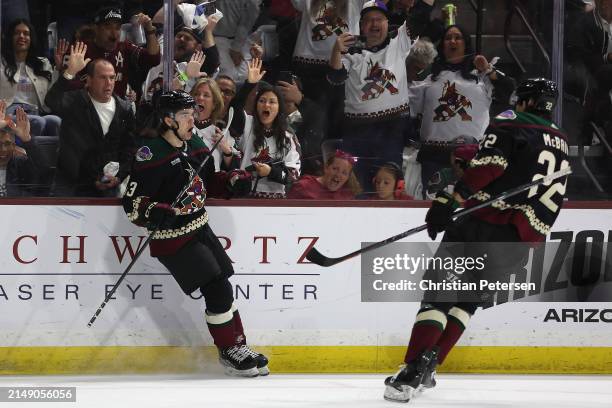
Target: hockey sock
{"x":221,"y":327}
{"x":426,"y":331}
{"x":239,"y":335}
{"x":457,"y":322}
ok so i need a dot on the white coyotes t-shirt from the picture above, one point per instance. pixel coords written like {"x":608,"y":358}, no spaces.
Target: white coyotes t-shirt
{"x":377,"y":85}
{"x":318,"y":35}
{"x":451,"y":106}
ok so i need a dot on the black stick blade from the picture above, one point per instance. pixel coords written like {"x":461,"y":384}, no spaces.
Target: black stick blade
{"x":318,"y":258}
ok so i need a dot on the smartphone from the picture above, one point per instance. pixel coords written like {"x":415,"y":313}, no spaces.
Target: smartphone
{"x":360,"y":42}
{"x":285,"y":76}
{"x":210,"y":7}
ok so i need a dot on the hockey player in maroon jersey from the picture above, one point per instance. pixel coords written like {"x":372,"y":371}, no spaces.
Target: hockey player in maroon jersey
{"x":183,"y":241}
{"x":519,"y":146}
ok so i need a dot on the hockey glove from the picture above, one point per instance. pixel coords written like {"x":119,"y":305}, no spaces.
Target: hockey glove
{"x":239,"y":183}
{"x":440,"y":214}
{"x":160,"y":215}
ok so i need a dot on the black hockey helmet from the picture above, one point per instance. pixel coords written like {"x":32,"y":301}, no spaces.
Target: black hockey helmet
{"x":173,"y":101}
{"x":543,"y":91}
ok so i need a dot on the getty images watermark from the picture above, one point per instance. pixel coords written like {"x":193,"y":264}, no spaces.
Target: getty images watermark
{"x":460,"y":266}
{"x":480,"y":272}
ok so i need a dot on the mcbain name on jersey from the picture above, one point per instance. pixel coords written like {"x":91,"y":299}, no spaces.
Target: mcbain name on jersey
{"x":556,"y":142}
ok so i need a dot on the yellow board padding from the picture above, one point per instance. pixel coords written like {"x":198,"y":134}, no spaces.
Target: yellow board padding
{"x":300,"y":359}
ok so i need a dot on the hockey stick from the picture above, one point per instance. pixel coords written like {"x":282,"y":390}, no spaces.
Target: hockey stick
{"x":318,"y":258}
{"x":146,"y":243}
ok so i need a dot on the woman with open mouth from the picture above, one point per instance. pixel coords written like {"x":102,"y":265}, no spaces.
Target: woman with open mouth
{"x":270,"y":151}
{"x":455,"y":99}
{"x":210,"y":109}
{"x":338,"y":181}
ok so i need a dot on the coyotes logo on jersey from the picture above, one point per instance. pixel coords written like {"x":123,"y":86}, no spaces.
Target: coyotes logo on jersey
{"x":378,"y":79}
{"x":263,"y":156}
{"x":451,"y":104}
{"x":194,"y":197}
{"x":328,"y":23}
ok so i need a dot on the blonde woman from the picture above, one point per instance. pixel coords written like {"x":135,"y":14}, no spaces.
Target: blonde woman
{"x":209,"y":100}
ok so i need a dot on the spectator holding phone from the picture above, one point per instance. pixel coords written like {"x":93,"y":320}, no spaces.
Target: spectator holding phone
{"x":305,"y":119}
{"x":376,"y":110}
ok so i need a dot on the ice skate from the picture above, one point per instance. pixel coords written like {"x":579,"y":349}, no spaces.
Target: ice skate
{"x":403,"y":386}
{"x":429,"y":376}
{"x":240,"y":361}
{"x":262,"y":364}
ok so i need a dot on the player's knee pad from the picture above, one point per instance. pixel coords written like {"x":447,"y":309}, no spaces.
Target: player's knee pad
{"x":428,"y":313}
{"x":218,"y":295}
{"x":460,"y":315}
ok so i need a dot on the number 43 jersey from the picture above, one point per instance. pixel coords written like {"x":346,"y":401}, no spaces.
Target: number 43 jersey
{"x":518,"y":147}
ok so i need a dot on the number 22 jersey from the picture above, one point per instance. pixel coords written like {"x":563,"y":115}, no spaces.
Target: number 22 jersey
{"x":518,"y":147}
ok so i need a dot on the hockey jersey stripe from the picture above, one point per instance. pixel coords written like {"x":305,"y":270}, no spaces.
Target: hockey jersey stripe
{"x":530,"y":126}
{"x":481,"y":172}
{"x":527,"y":210}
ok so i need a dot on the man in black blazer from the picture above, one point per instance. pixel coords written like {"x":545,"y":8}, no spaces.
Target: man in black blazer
{"x":96,"y":129}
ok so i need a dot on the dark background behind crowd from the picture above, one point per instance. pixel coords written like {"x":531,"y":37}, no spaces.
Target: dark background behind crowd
{"x":331,"y":99}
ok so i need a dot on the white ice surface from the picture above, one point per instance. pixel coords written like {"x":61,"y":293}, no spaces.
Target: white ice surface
{"x":305,"y":391}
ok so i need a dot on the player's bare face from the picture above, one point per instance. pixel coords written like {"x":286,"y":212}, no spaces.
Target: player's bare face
{"x":21,"y":38}
{"x":7,"y":148}
{"x":336,"y":174}
{"x":384,"y":182}
{"x":204,"y":98}
{"x":185,"y":120}
{"x":102,"y":84}
{"x":454,"y":46}
{"x":184,"y":44}
{"x":375,"y":26}
{"x":108,"y":34}
{"x":267,"y":109}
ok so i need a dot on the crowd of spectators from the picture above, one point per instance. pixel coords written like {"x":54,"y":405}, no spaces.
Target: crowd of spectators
{"x":327,"y":105}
